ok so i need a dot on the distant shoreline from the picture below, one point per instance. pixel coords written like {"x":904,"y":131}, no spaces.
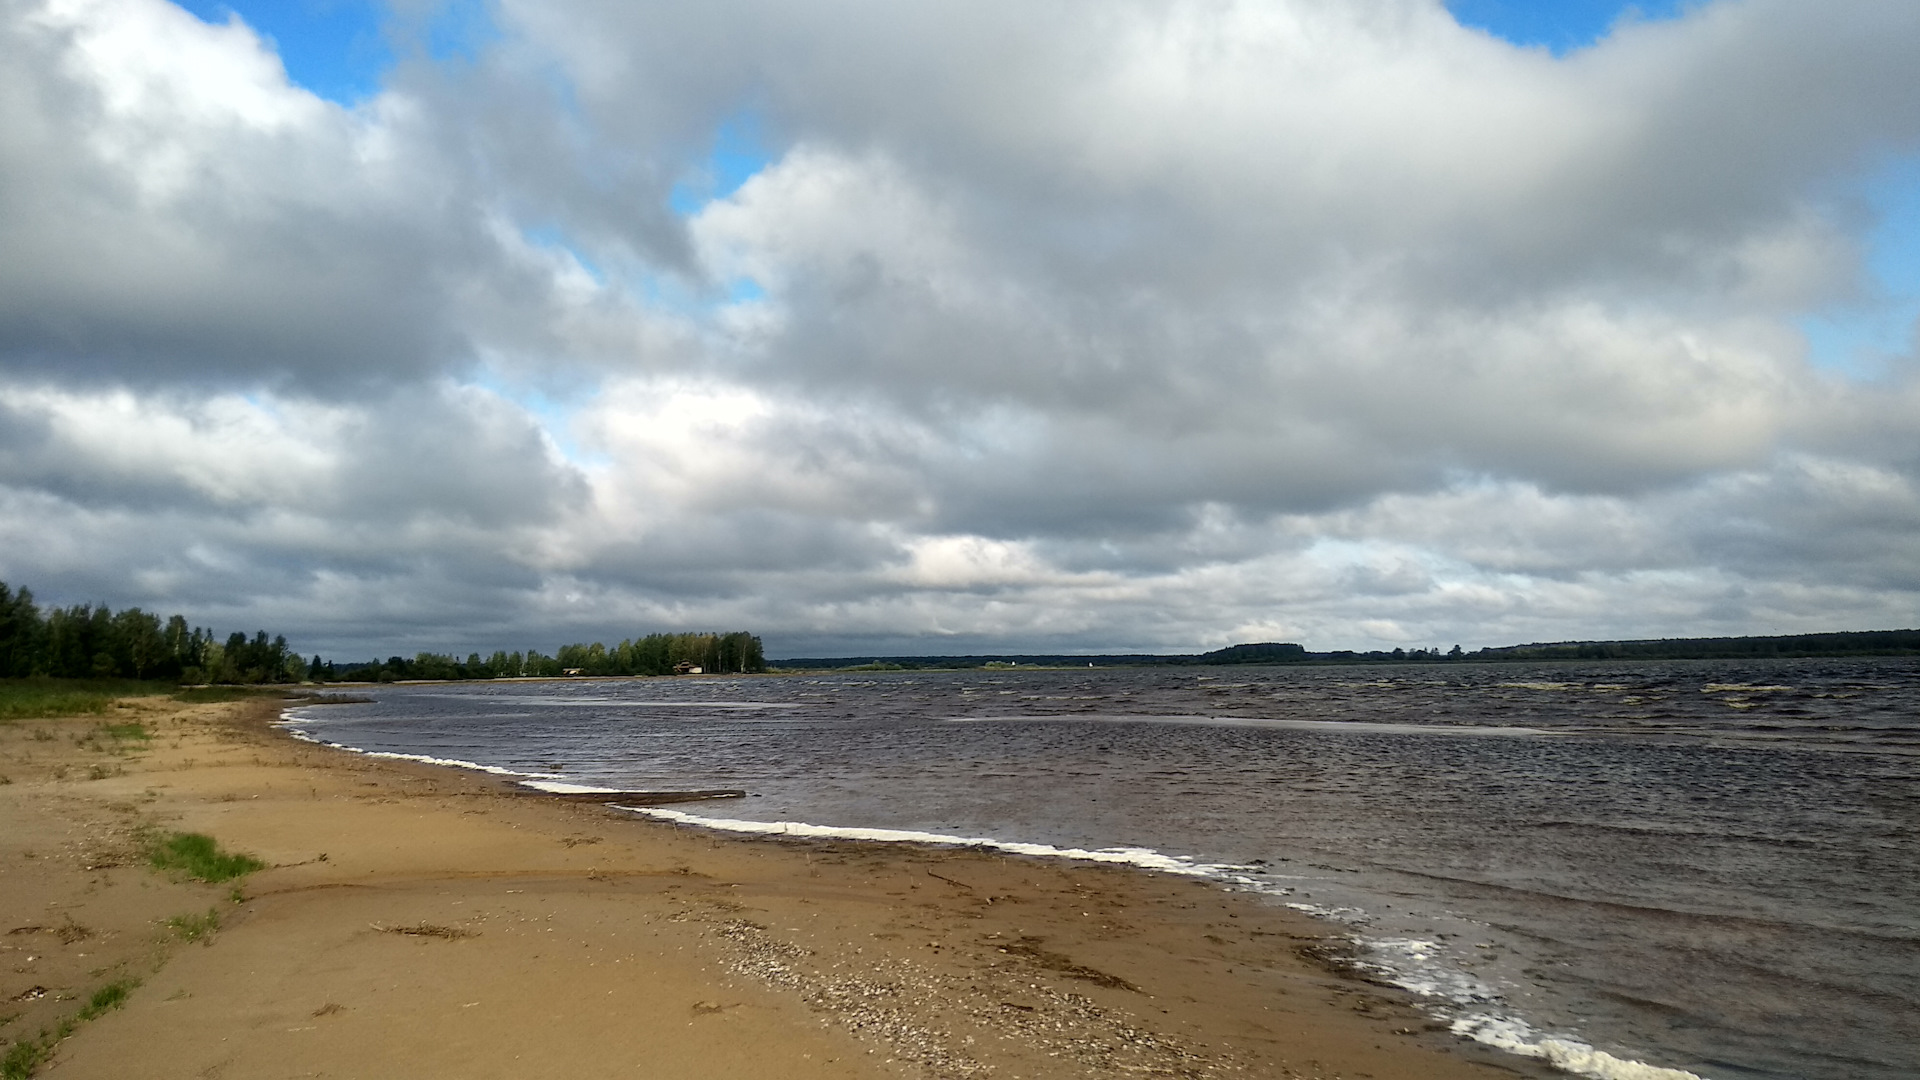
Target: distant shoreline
{"x":1851,"y":643}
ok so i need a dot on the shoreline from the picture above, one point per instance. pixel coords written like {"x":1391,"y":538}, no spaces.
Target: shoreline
{"x":457,"y":924}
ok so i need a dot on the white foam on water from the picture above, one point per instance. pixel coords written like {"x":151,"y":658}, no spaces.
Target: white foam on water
{"x":286,"y":721}
{"x":1568,"y":1055}
{"x":454,"y":762}
{"x":555,"y":787}
{"x":1352,"y":916}
{"x":1424,"y":968}
{"x":1145,"y":858}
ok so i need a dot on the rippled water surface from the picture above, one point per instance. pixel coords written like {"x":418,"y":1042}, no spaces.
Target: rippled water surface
{"x":1706,"y":866}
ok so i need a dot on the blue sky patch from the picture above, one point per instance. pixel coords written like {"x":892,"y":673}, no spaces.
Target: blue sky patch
{"x":554,"y":412}
{"x":335,"y":48}
{"x":459,"y":30}
{"x":1562,"y":26}
{"x":1859,"y":339}
{"x":553,"y":238}
{"x":738,"y":153}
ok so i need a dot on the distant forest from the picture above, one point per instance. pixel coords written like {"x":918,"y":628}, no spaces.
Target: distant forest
{"x":1851,"y":643}
{"x":1266,"y":652}
{"x":84,"y":641}
{"x":656,"y":654}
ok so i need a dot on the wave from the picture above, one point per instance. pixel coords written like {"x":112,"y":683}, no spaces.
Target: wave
{"x":1568,"y":1055}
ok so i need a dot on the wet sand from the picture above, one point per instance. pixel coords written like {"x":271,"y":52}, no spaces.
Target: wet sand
{"x":432,"y":923}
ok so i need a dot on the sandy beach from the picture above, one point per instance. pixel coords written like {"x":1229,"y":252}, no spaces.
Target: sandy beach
{"x":427,"y":922}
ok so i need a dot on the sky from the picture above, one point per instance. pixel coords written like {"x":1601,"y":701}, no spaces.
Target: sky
{"x":958,"y":327}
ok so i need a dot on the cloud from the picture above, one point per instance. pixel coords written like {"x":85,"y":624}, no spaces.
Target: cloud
{"x":1104,"y":325}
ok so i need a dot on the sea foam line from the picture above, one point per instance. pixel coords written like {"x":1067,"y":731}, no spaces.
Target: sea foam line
{"x":1145,"y":858}
{"x":287,"y":722}
{"x":556,"y":787}
{"x":1567,"y":1055}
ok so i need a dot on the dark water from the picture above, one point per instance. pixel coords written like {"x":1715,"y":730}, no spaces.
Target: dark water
{"x":1705,"y":866}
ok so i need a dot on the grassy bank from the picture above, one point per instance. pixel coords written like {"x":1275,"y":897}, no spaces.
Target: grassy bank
{"x":22,"y":699}
{"x":39,"y":697}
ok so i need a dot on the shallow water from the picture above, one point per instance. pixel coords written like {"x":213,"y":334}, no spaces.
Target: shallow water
{"x":1704,"y":866}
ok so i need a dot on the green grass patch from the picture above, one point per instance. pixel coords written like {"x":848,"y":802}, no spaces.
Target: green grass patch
{"x":21,"y":700}
{"x":27,"y":1055}
{"x":23,"y":1058}
{"x":195,"y":855}
{"x":195,"y":927}
{"x":106,"y":999}
{"x":134,"y":731}
{"x":34,"y":704}
{"x":27,"y":699}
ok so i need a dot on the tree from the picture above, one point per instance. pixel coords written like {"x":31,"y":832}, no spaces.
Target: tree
{"x":21,"y":632}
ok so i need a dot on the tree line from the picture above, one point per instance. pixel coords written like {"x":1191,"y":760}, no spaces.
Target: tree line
{"x":655,"y":654}
{"x":1837,"y":644}
{"x":88,"y":641}
{"x":1841,"y":643}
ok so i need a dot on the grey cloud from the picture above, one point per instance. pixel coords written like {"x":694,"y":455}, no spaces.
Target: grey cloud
{"x":1115,"y":324}
{"x":427,"y":454}
{"x":466,"y":458}
{"x":267,"y":254}
{"x":202,"y":223}
{"x":726,"y":555}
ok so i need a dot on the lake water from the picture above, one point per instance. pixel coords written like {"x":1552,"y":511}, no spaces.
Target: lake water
{"x":1705,"y":867}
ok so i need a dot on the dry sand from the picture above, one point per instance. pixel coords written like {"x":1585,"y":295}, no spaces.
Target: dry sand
{"x":422,"y":922}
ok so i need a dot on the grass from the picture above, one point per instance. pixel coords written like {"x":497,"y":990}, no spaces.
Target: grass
{"x":133,"y":731}
{"x":39,"y":696}
{"x":105,"y":1000}
{"x":24,"y":1057}
{"x":27,"y":1055}
{"x":20,"y":703}
{"x":195,"y":927}
{"x":27,"y":699}
{"x":195,"y":855}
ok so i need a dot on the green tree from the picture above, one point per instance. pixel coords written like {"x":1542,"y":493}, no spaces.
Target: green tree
{"x":22,"y":633}
{"x":144,"y":643}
